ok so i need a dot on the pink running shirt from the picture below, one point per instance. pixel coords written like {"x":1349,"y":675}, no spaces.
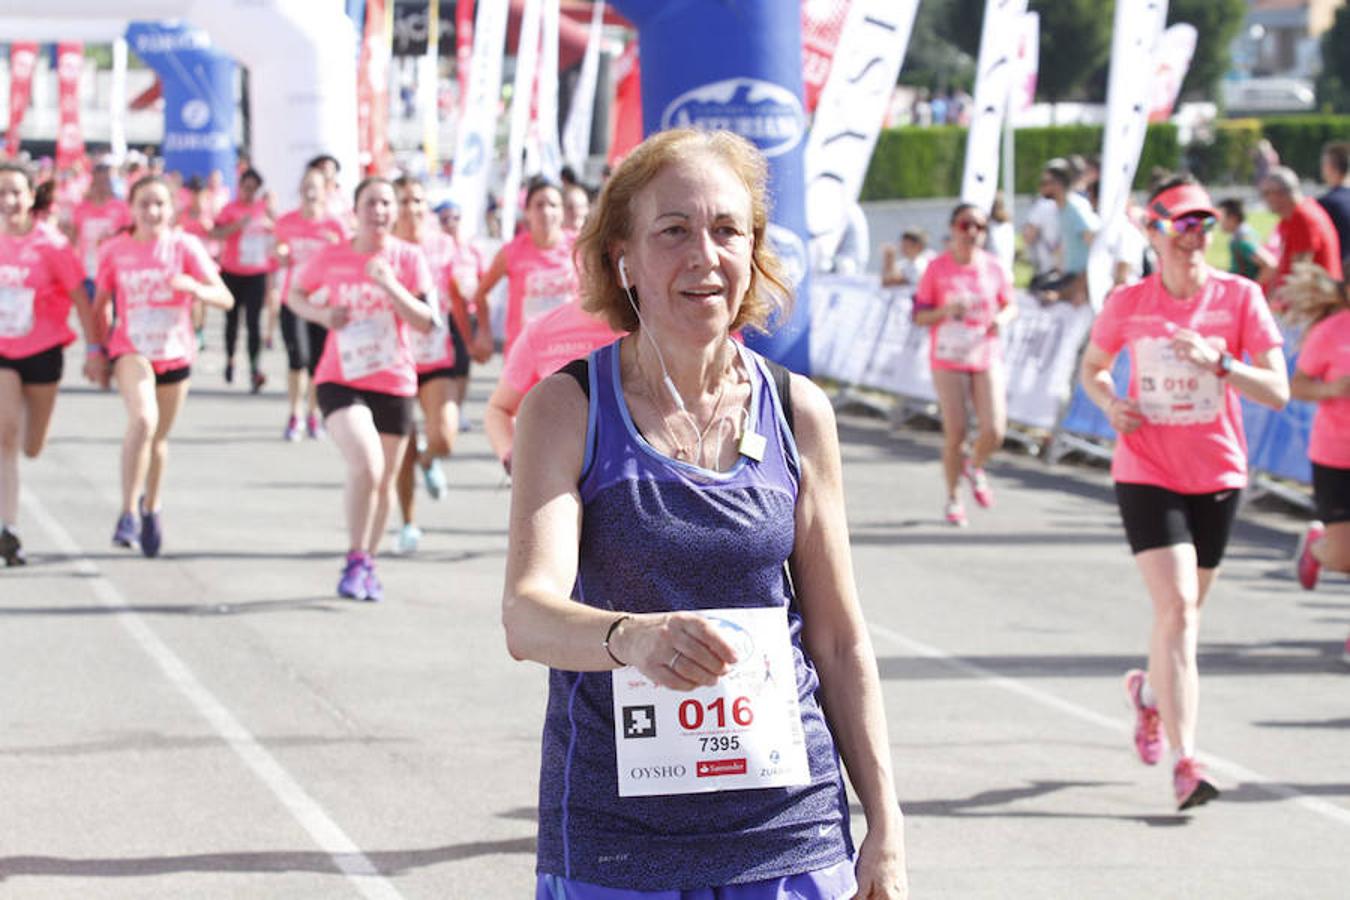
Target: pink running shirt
{"x":552,"y":341}
{"x":95,"y":223}
{"x":964,"y":344}
{"x":247,"y":251}
{"x":435,"y":349}
{"x":1326,"y":357}
{"x":305,"y":238}
{"x":36,"y":280}
{"x":1191,"y":440}
{"x":153,"y":320}
{"x":372,"y":351}
{"x":539,"y":279}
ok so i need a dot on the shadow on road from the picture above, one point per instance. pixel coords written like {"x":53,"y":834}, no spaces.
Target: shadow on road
{"x":978,"y":806}
{"x":326,"y":604}
{"x":388,"y":862}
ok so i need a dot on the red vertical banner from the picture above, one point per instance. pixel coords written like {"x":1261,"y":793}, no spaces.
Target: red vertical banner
{"x":22,"y":60}
{"x":627,"y":130}
{"x":372,"y":87}
{"x":69,"y":138}
{"x":463,"y":48}
{"x":822,"y":23}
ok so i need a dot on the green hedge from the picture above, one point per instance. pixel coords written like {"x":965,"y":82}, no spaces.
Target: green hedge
{"x":928,"y":162}
{"x":1299,"y":140}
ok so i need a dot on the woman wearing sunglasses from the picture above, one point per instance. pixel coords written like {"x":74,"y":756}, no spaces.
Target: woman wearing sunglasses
{"x":1181,"y":459}
{"x":965,"y":299}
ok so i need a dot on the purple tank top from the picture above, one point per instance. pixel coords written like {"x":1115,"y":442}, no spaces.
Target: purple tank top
{"x":660,"y":535}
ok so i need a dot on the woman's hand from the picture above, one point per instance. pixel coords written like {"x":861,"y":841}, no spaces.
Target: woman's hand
{"x":679,"y":650}
{"x":1196,"y":349}
{"x":379,"y":271}
{"x":337,"y":317}
{"x":185,"y":284}
{"x":880,"y":869}
{"x":955,"y":309}
{"x":481,"y":348}
{"x":1124,"y":415}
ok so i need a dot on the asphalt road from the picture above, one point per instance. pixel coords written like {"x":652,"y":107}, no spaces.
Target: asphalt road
{"x":216,"y":723}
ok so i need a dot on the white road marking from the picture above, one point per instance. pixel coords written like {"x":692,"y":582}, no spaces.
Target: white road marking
{"x":1226,"y":767}
{"x":303,"y":808}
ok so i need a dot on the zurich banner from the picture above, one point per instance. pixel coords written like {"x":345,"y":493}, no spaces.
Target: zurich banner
{"x":738,"y":66}
{"x":198,"y":84}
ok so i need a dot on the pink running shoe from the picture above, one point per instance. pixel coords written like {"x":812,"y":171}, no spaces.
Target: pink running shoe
{"x":979,"y":486}
{"x":1306,"y":564}
{"x":1191,"y":784}
{"x":1148,"y":738}
{"x":955,"y":514}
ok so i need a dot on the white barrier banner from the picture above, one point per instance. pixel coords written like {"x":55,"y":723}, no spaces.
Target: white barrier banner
{"x":474,"y":143}
{"x":863,"y":335}
{"x":999,"y":41}
{"x":852,"y":106}
{"x":576,"y":138}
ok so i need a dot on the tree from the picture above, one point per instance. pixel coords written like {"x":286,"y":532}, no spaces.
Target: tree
{"x":1217,"y":22}
{"x":933,"y":60}
{"x":1333,"y":84}
{"x":1075,"y":46}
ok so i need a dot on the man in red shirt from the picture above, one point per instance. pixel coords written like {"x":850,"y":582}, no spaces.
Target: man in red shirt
{"x":1306,"y":231}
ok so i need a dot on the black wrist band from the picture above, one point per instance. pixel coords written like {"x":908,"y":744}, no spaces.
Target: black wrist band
{"x":610,"y":633}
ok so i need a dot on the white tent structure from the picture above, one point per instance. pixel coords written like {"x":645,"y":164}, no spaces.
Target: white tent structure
{"x":301,"y":57}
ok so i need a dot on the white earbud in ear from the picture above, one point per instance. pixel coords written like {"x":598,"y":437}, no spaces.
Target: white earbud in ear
{"x":623,"y":276}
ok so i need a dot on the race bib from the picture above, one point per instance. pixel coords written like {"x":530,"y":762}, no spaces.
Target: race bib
{"x":432,"y":347}
{"x":1172,"y":391}
{"x":962,"y":344}
{"x":743,"y":732}
{"x":16,"y":311}
{"x":254,"y":249}
{"x":366,"y":346}
{"x":160,"y":333}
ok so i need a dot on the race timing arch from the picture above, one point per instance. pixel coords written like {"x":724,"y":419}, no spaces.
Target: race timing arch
{"x":738,"y":66}
{"x":302,"y":65}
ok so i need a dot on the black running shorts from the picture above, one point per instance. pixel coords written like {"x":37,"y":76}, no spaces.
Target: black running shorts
{"x":1331,"y":490}
{"x":392,"y":415}
{"x":1156,"y":517}
{"x":43,"y":367}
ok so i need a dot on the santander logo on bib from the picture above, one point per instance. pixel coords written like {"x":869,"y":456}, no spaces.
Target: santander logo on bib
{"x":767,"y":114}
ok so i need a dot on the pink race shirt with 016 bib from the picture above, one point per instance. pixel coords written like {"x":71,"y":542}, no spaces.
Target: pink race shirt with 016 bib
{"x":1191,"y":440}
{"x":371,"y":352}
{"x":38,"y":272}
{"x":153,"y":319}
{"x":1326,"y":357}
{"x":539,"y":278}
{"x":964,"y":343}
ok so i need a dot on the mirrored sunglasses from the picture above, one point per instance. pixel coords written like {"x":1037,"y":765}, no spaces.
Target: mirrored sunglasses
{"x":971,"y":226}
{"x":1185,"y":225}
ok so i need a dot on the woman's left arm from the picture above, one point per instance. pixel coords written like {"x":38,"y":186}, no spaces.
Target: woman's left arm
{"x":836,"y":637}
{"x":1264,"y":380}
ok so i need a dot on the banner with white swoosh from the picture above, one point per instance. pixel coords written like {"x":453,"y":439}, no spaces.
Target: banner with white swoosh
{"x":994,"y":76}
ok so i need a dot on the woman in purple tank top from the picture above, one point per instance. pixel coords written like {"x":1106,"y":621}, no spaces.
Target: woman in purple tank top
{"x":679,"y":560}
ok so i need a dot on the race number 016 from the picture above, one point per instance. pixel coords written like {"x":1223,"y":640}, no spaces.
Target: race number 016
{"x":693,"y":713}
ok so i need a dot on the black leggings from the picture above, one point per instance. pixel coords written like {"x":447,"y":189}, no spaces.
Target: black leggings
{"x":304,"y":341}
{"x":250,"y":292}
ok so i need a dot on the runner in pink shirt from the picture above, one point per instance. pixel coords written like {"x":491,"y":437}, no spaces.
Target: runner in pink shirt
{"x":245,"y":228}
{"x":965,"y":300}
{"x":150,"y":279}
{"x":545,"y":346}
{"x":368,"y":292}
{"x":1181,"y":458}
{"x":195,"y":216}
{"x":442,"y":359}
{"x":466,"y":271}
{"x":99,"y":216}
{"x":538,"y":267}
{"x":40,"y":280}
{"x":300,"y":235}
{"x":1322,"y":376}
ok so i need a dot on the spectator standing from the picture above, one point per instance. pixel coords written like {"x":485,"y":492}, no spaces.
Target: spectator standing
{"x":1078,"y":226}
{"x":1245,"y":254}
{"x":906,"y":265}
{"x":1336,"y":201}
{"x":1306,"y":231}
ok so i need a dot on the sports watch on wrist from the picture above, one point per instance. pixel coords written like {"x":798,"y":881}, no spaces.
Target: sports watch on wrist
{"x":1225,"y":364}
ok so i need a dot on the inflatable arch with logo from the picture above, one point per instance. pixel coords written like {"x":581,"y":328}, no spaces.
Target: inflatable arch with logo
{"x":738,"y":66}
{"x":301,"y":55}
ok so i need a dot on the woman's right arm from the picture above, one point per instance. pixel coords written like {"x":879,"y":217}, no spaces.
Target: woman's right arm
{"x":542,"y":621}
{"x":1095,"y":375}
{"x":481,"y":345}
{"x":1306,"y":387}
{"x":330,"y":317}
{"x":499,"y":420}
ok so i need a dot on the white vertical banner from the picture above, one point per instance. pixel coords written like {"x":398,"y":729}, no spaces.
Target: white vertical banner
{"x":1138,"y":23}
{"x":576,"y":136}
{"x":475,"y":136}
{"x":993,"y":79}
{"x":117,"y":100}
{"x":849,"y":116}
{"x":428,"y":78}
{"x":546,"y":107}
{"x":1171,"y":60}
{"x":1028,"y":65}
{"x":527,"y":61}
